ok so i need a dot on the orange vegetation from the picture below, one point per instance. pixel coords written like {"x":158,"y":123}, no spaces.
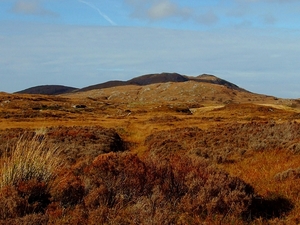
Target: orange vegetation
{"x":119,"y":159}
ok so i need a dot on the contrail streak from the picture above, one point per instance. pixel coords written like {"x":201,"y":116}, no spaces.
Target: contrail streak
{"x":99,"y":11}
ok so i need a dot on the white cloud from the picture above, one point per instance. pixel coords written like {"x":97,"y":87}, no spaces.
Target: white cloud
{"x":31,"y":7}
{"x":155,"y":10}
{"x":164,"y":9}
{"x":158,"y":10}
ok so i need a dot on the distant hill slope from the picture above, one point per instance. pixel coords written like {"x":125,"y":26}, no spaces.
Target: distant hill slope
{"x":141,"y":81}
{"x":108,"y":84}
{"x":48,"y":90}
{"x":215,"y":80}
{"x":162,"y":78}
{"x":203,"y":90}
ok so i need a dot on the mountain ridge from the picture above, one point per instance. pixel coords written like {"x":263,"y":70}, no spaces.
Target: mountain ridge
{"x":142,"y":80}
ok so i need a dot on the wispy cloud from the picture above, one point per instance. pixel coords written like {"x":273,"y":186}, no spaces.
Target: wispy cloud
{"x":99,"y":11}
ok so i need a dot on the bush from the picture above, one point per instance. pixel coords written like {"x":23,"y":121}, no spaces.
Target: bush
{"x":25,"y":198}
{"x":161,"y":191}
{"x":67,"y":189}
{"x":224,"y":143}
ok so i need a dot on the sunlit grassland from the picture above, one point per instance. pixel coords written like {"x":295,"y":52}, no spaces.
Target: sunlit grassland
{"x":260,"y":169}
{"x":79,"y":191}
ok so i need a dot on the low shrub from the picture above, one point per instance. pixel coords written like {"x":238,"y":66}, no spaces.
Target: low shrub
{"x":67,"y":189}
{"x":224,"y":143}
{"x":153,"y":190}
{"x":25,"y":198}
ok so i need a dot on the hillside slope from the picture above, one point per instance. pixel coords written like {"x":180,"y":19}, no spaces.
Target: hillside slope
{"x":48,"y":90}
{"x":157,"y":78}
{"x":189,"y":92}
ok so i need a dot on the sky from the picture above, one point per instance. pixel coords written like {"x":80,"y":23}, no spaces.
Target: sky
{"x":254,"y":44}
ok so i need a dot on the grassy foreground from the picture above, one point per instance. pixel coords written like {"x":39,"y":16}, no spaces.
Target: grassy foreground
{"x":121,"y":164}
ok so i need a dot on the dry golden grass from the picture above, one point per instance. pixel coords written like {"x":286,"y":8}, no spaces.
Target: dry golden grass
{"x":30,"y":158}
{"x":260,"y":171}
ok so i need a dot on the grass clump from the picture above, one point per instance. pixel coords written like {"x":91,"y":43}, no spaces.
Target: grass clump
{"x":30,"y":158}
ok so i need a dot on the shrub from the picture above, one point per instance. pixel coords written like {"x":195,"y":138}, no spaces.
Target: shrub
{"x":25,"y":198}
{"x":33,"y":219}
{"x":11,"y":204}
{"x":85,"y":142}
{"x":161,"y":191}
{"x":224,"y":143}
{"x":115,"y":179}
{"x":201,"y":190}
{"x":67,"y":189}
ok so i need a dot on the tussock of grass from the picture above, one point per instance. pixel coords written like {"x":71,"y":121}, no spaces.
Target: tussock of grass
{"x":30,"y":158}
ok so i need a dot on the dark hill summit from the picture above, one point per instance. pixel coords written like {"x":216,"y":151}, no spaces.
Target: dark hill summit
{"x":48,"y":90}
{"x":158,"y":78}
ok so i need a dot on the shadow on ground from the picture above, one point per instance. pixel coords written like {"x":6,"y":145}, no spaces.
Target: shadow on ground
{"x":275,"y":207}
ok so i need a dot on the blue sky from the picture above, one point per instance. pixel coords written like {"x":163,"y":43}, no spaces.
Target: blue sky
{"x":252,"y":43}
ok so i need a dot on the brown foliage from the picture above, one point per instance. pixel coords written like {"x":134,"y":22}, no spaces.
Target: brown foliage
{"x":85,"y":142}
{"x":120,"y":188}
{"x":288,"y":174}
{"x":225,"y":143}
{"x":120,"y":176}
{"x":75,"y":142}
{"x":67,"y":189}
{"x":32,"y":219}
{"x":165,"y":188}
{"x":28,"y":197}
{"x":11,"y":204}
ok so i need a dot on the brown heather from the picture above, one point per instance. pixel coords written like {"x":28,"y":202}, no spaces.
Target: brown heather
{"x":122,"y":188}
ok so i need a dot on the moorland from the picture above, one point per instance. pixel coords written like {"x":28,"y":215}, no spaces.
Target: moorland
{"x":158,"y":149}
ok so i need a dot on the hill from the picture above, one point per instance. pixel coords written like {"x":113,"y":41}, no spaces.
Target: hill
{"x":48,"y":90}
{"x":191,"y":92}
{"x":148,"y":79}
{"x":161,"y":78}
